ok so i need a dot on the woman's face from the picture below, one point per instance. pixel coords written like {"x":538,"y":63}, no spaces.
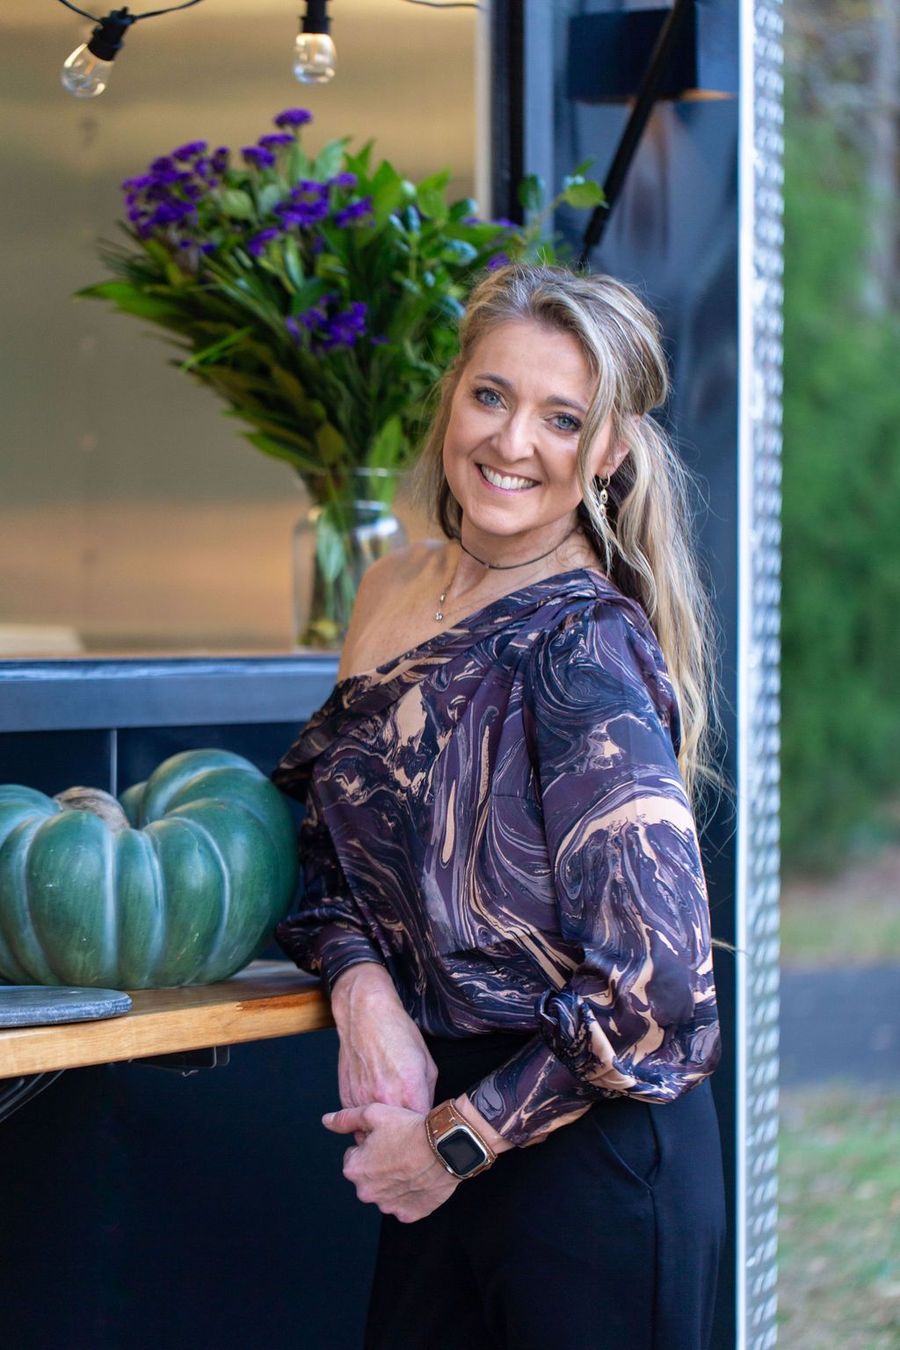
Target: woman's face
{"x":512,"y":439}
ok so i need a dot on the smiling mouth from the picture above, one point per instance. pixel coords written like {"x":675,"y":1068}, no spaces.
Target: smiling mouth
{"x":505,"y":482}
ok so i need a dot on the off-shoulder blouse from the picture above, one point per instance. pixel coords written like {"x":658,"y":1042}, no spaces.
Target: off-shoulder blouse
{"x":497,"y":816}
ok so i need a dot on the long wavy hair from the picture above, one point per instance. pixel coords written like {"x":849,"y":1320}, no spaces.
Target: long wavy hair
{"x":646,"y":537}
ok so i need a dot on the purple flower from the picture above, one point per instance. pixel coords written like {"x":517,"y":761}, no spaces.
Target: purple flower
{"x":171,"y":213}
{"x":138,"y":184}
{"x":258,"y":156}
{"x":163,"y":164}
{"x":293,"y":117}
{"x":504,"y":223}
{"x":498,"y":260}
{"x":162,"y":181}
{"x":189,"y":151}
{"x":355,"y":211}
{"x":296,"y":211}
{"x":257,"y":244}
{"x":274,"y":138}
{"x":293,"y":328}
{"x":208,"y":247}
{"x":343,"y":329}
{"x":135,"y":214}
{"x":343,"y":180}
{"x":220,"y":159}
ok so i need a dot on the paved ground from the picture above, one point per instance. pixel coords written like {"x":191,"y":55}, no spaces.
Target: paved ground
{"x":841,"y":1024}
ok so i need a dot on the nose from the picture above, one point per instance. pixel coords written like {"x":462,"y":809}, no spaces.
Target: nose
{"x":513,"y":439}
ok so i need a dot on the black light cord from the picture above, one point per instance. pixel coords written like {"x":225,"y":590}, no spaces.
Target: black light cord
{"x":444,"y":4}
{"x":150,"y":14}
{"x":634,"y":128}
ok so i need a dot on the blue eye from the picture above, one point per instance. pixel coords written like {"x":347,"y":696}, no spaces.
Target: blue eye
{"x":485,"y":395}
{"x":574,"y":424}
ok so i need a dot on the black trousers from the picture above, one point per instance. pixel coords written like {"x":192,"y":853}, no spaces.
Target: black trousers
{"x":606,"y":1236}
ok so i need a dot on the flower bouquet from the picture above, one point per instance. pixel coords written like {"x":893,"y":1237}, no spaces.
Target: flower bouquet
{"x":318,"y":296}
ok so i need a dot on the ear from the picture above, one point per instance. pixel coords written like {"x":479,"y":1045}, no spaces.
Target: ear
{"x":615,"y":457}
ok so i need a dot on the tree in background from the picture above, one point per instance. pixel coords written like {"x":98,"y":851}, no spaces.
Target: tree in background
{"x":841,"y":612}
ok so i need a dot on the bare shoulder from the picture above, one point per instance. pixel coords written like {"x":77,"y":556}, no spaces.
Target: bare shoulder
{"x":380,"y":625}
{"x":395,"y":570}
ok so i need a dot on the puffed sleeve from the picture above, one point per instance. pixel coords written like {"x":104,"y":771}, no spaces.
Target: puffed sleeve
{"x":330,"y":932}
{"x":638,"y":1015}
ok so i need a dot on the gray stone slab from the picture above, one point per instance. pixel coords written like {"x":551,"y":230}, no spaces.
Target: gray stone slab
{"x":32,"y":1005}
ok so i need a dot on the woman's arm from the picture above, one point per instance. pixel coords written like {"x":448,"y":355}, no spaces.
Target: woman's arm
{"x":383,"y":1057}
{"x":637,"y":1017}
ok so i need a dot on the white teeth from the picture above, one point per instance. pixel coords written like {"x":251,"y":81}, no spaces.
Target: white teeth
{"x":500,"y":481}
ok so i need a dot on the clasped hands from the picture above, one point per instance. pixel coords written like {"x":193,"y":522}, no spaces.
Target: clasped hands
{"x":386,"y":1081}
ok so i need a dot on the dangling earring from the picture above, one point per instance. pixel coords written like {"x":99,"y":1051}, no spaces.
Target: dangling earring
{"x":604,"y":497}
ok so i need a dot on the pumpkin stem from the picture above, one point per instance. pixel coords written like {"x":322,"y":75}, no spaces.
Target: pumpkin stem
{"x":100,"y":803}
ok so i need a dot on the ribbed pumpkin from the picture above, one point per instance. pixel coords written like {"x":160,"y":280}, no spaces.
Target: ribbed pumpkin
{"x":181,"y":883}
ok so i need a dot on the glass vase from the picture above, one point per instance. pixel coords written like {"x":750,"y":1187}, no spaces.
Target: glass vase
{"x":334,"y":543}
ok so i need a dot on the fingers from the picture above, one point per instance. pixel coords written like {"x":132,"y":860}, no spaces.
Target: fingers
{"x":347,"y":1121}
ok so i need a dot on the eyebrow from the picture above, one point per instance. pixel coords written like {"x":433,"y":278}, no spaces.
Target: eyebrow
{"x":558,"y":400}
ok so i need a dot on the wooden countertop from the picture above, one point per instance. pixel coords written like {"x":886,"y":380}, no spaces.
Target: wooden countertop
{"x":267,"y":999}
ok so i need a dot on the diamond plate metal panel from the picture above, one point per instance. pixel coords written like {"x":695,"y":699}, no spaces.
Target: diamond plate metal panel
{"x":761,"y":146}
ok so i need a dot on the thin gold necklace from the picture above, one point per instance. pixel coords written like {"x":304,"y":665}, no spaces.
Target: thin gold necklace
{"x":498,"y":567}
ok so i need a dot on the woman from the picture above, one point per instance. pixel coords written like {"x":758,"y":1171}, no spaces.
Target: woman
{"x":504,"y":893}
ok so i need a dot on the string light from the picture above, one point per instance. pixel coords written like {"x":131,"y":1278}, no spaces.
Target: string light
{"x":86,"y":70}
{"x":315,"y":57}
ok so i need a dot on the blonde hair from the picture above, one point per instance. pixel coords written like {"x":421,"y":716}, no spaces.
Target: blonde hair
{"x":646,"y":539}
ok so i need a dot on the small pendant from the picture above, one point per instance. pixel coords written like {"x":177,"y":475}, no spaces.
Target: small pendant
{"x":439,"y":614}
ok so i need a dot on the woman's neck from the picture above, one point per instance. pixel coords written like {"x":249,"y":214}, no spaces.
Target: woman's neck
{"x":467,"y":578}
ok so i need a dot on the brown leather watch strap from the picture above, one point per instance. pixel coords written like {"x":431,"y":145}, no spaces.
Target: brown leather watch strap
{"x":442,"y":1120}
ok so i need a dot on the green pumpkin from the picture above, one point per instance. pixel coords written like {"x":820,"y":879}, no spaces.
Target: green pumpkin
{"x":181,"y":883}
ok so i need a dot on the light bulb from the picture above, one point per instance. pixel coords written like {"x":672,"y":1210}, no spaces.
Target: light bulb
{"x":314,"y":58}
{"x":84,"y":74}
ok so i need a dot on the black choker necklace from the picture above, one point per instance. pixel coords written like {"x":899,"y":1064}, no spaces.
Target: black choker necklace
{"x":499,"y":567}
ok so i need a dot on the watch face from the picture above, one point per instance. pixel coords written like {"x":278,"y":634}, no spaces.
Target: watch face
{"x":461,"y":1151}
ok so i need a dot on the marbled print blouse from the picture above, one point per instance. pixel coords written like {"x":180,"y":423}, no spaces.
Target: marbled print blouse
{"x":497,"y":816}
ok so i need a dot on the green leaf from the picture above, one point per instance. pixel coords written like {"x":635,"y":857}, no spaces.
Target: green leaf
{"x":359,"y":163}
{"x":130,"y":300}
{"x":583,"y":195}
{"x":389,"y":445}
{"x":531,"y":192}
{"x":297,"y":164}
{"x":330,"y":548}
{"x":207,"y":355}
{"x":293,"y":263}
{"x":331,"y":444}
{"x":276,"y":450}
{"x":581,"y":169}
{"x":386,"y":191}
{"x":431,"y":196}
{"x":269,"y":197}
{"x":237,"y":204}
{"x":307,"y":294}
{"x":330,"y":158}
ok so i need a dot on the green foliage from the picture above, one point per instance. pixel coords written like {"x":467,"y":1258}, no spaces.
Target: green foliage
{"x":318,"y":297}
{"x":841,"y":638}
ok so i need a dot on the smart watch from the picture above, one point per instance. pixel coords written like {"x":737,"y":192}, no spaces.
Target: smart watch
{"x":457,"y":1146}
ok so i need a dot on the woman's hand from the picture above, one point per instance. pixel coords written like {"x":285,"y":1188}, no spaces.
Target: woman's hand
{"x":393,"y":1166}
{"x":383,"y":1057}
